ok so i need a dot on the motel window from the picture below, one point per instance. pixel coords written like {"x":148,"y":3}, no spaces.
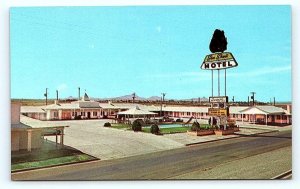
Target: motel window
{"x":244,"y":116}
{"x":188,"y":113}
{"x":55,"y":114}
{"x":278,"y":117}
{"x":94,"y":113}
{"x":73,"y":113}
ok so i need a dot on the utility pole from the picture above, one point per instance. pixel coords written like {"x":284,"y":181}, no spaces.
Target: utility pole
{"x":274,"y":101}
{"x":252,"y":97}
{"x":78,"y":93}
{"x":233,"y":99}
{"x":248,"y":101}
{"x":133,"y":97}
{"x":161,"y":102}
{"x":46,"y":95}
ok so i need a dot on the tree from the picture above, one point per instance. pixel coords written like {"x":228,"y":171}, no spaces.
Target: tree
{"x":218,"y":42}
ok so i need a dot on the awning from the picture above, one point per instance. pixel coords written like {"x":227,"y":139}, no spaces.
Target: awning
{"x":136,"y":111}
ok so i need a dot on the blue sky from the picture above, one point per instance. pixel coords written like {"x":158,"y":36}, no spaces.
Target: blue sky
{"x":113,"y":51}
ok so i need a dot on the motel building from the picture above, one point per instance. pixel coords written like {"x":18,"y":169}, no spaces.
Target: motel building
{"x":27,"y":134}
{"x":88,"y":109}
{"x":81,"y":109}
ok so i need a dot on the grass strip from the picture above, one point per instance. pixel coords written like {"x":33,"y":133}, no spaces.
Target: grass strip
{"x":51,"y":162}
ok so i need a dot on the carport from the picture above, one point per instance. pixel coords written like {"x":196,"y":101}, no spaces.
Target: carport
{"x":136,"y":112}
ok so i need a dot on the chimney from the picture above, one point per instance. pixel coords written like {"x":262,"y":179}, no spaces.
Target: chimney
{"x":57,"y":95}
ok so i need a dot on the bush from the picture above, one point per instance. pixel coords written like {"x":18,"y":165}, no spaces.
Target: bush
{"x":107,"y":124}
{"x":136,"y":126}
{"x":195,"y":126}
{"x":154,"y":129}
{"x":179,"y":120}
{"x":77,"y":117}
{"x":140,"y":121}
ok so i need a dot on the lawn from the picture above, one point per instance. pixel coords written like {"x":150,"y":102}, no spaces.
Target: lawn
{"x":50,"y":162}
{"x":120,"y":126}
{"x":168,"y":130}
{"x":182,"y":129}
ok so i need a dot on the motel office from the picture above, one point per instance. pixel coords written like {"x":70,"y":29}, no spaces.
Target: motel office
{"x":88,"y":109}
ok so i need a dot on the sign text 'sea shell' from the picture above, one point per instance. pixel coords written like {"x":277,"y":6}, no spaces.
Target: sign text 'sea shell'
{"x":219,"y":61}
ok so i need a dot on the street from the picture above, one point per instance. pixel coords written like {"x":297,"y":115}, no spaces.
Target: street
{"x":214,"y":160}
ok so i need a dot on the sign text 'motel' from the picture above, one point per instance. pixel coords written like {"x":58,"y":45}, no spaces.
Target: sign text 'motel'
{"x":219,"y":61}
{"x":216,"y":99}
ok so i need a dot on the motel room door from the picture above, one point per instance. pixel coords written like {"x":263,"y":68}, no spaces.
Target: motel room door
{"x":66,"y":115}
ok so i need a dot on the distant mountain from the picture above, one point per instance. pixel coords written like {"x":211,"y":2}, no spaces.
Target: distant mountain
{"x":197,"y":99}
{"x":128,"y":97}
{"x":72,"y":98}
{"x":154,"y":98}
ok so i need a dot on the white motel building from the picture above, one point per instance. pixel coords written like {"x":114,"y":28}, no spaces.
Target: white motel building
{"x":88,"y":109}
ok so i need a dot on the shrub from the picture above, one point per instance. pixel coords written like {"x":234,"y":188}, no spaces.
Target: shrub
{"x":179,"y":120}
{"x":195,"y":126}
{"x":136,"y":126}
{"x":77,"y":117}
{"x":154,"y":129}
{"x":140,"y":121}
{"x":107,"y":124}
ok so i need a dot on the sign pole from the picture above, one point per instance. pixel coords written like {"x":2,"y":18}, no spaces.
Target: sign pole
{"x":218,"y":82}
{"x":225,"y":82}
{"x":212,"y":83}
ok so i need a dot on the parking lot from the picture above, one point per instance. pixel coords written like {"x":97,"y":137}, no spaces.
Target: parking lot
{"x":89,"y":136}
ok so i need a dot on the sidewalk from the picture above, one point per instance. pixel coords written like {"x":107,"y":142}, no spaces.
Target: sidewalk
{"x":266,"y":127}
{"x":186,"y":139}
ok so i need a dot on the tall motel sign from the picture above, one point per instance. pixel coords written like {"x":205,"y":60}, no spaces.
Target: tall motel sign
{"x":219,"y":61}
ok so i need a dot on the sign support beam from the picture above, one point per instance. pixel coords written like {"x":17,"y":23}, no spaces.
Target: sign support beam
{"x":212,"y":83}
{"x":218,"y":82}
{"x":225,"y":82}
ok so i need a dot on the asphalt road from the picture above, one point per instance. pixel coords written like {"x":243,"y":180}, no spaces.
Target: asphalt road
{"x":170,"y":164}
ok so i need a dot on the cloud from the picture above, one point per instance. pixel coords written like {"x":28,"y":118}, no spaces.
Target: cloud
{"x":158,"y":29}
{"x":91,"y":46}
{"x":206,"y":75}
{"x":62,"y":87}
{"x":262,"y":71}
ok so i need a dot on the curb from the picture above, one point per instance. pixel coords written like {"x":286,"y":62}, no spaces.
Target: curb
{"x":283,"y":175}
{"x":236,"y":136}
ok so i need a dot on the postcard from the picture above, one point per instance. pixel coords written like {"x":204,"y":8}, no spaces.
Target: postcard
{"x":151,"y":93}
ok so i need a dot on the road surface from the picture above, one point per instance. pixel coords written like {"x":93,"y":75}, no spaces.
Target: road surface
{"x":253,"y":157}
